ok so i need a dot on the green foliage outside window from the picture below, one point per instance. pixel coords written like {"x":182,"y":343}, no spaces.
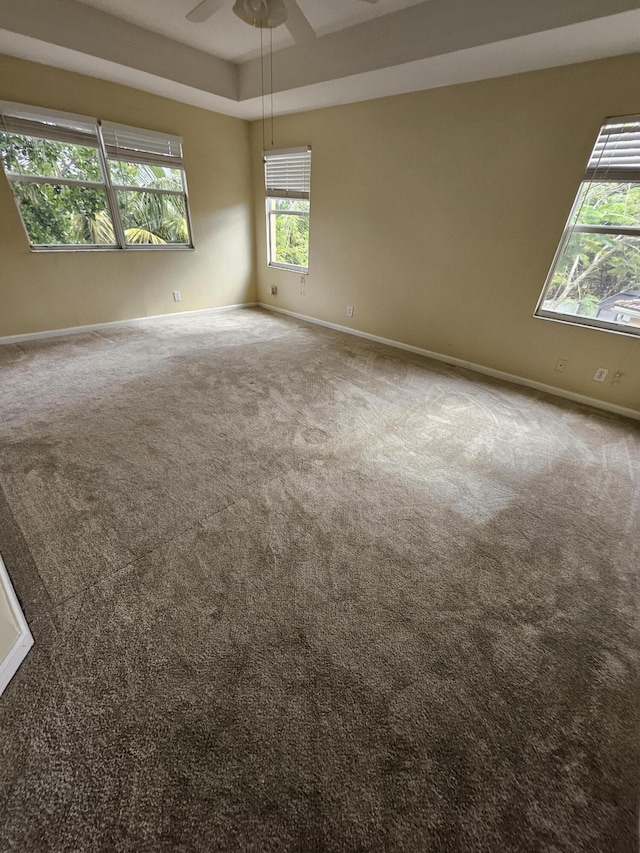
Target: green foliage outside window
{"x":291,"y":232}
{"x":594,"y":265}
{"x":150,"y":217}
{"x":26,"y":155}
{"x":63,"y":214}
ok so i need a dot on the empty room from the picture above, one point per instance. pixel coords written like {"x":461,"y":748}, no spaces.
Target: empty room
{"x":319,"y":426}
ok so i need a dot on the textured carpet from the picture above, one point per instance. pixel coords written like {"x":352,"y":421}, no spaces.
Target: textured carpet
{"x":294,"y":591}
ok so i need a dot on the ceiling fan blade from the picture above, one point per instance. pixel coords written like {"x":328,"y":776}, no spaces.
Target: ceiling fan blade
{"x":203,"y":11}
{"x":297,"y":23}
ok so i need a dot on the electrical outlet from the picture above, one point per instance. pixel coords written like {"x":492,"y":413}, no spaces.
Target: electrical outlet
{"x":302,"y":281}
{"x":617,"y":377}
{"x":349,"y":310}
{"x":601,"y":374}
{"x":561,"y":363}
{"x":273,"y":290}
{"x":177,"y":296}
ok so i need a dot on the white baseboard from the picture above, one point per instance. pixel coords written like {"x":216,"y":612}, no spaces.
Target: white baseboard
{"x":94,"y":327}
{"x":18,"y":651}
{"x":468,"y":365}
{"x":447,"y":359}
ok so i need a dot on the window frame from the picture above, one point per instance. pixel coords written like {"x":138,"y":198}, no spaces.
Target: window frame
{"x":594,"y":174}
{"x":294,"y":187}
{"x":59,"y":122}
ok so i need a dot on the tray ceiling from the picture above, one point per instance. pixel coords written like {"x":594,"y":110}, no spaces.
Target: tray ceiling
{"x":362,"y":51}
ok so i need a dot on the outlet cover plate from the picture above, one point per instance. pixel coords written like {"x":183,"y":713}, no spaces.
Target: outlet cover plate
{"x":600,"y":374}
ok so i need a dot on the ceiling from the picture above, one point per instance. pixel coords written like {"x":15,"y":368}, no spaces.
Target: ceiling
{"x":226,"y":36}
{"x":363,"y":50}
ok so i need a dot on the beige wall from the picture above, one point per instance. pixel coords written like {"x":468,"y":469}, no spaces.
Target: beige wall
{"x":437,"y":215}
{"x":41,"y":291}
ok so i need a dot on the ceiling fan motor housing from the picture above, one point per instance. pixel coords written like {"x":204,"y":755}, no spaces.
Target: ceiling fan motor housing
{"x":265,"y":14}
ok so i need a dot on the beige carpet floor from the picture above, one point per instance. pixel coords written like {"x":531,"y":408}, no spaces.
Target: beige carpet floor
{"x":295,"y":591}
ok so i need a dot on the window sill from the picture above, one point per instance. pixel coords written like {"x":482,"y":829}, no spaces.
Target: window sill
{"x":75,"y":249}
{"x":290,"y":268}
{"x":589,"y":323}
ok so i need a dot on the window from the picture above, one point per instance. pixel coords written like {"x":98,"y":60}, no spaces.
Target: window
{"x":148,"y":180}
{"x":595,"y":276}
{"x":287,"y":187}
{"x":82,"y":184}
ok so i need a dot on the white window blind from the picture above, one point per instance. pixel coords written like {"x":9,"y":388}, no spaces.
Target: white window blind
{"x":287,"y":173}
{"x":133,"y":145}
{"x":59,"y":127}
{"x":616,"y":155}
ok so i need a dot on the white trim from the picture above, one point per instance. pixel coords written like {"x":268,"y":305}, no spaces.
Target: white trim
{"x":18,"y":652}
{"x":458,"y":362}
{"x":468,"y":365}
{"x":74,"y":330}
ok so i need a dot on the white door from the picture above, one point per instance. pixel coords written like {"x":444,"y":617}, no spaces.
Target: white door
{"x":15,"y":636}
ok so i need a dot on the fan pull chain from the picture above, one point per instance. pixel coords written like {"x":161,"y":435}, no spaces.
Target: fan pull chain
{"x":271,"y":78}
{"x":262,"y":86}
